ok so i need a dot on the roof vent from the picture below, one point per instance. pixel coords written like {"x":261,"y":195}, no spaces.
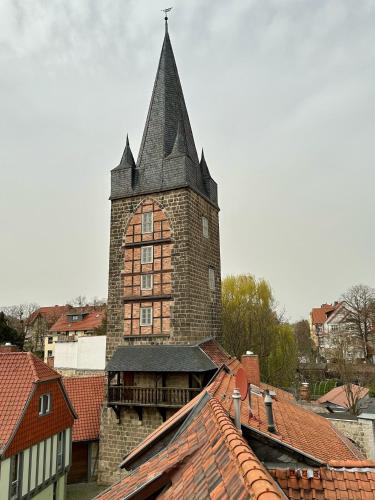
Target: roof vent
{"x":269,"y":412}
{"x":237,"y":408}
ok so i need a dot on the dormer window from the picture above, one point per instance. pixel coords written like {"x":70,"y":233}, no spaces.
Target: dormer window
{"x":147,"y":222}
{"x":75,"y":317}
{"x":44,"y":404}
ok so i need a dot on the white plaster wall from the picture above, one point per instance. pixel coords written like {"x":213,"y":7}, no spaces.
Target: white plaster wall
{"x":91,"y":353}
{"x":87,"y":353}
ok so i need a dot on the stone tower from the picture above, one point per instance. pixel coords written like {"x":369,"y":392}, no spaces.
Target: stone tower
{"x":164,"y":268}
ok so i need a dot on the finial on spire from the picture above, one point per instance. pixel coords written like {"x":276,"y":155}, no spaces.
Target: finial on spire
{"x":166,"y":17}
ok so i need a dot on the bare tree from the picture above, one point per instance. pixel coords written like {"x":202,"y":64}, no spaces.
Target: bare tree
{"x":17,"y":316}
{"x":347,"y":372}
{"x":360,"y":310}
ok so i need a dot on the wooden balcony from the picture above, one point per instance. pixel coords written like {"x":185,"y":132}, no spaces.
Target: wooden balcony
{"x":169,"y":397}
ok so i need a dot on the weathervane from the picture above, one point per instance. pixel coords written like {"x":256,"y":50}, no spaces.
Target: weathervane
{"x":166,"y":16}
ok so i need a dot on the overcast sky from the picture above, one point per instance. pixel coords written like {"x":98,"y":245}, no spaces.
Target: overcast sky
{"x":280,"y":95}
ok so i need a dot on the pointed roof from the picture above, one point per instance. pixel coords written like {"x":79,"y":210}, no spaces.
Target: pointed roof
{"x":167,"y":115}
{"x":127,"y":159}
{"x":167,"y":157}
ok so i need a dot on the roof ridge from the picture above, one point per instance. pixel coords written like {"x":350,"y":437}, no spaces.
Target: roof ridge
{"x":253,"y":472}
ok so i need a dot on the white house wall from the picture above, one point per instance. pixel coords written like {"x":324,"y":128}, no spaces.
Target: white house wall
{"x":86,"y":353}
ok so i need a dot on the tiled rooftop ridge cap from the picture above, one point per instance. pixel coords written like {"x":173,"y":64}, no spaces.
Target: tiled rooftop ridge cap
{"x":255,"y":476}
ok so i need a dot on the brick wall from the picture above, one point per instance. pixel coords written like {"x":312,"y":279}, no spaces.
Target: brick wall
{"x":196,"y":310}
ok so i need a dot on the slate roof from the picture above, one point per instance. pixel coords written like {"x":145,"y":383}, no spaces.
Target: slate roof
{"x":86,"y":395}
{"x":208,"y":458}
{"x":160,"y":358}
{"x":19,"y":372}
{"x":338,"y":396}
{"x":167,"y":157}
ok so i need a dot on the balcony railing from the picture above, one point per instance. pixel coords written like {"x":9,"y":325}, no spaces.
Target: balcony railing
{"x":150,"y":396}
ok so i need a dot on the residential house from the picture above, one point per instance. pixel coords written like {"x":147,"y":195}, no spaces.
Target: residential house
{"x":39,"y":323}
{"x":277,"y":450}
{"x":333,"y":334}
{"x":36,"y":420}
{"x":341,"y":398}
{"x":76,"y":322}
{"x":87,"y":395}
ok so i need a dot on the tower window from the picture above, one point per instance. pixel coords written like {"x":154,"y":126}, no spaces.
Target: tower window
{"x":146,"y":316}
{"x":147,"y":255}
{"x":205,"y":227}
{"x":147,"y":222}
{"x":211,"y":278}
{"x":44,"y":404}
{"x":146,"y":282}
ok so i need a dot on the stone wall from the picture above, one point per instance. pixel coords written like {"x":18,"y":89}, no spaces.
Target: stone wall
{"x":361,"y":431}
{"x":118,"y":439}
{"x":196,"y":310}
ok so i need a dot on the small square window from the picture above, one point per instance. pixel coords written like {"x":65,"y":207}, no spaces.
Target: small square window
{"x":146,"y":316}
{"x":146,"y":282}
{"x":50,"y":340}
{"x":147,"y":222}
{"x":147,"y":255}
{"x":49,"y":354}
{"x":205,"y":227}
{"x":44,"y":404}
{"x":211,"y":278}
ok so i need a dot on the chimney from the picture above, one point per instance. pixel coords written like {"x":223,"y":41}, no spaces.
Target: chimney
{"x":304,"y":391}
{"x":8,"y":347}
{"x":250,"y":363}
{"x":237,"y":408}
{"x":269,"y":412}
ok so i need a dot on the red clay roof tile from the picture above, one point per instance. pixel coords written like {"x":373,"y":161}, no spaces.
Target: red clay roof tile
{"x":93,"y":319}
{"x":208,"y":459}
{"x":86,"y":395}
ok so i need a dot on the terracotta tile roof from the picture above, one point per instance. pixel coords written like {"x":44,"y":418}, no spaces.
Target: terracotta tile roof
{"x":297,"y":427}
{"x":207,"y":459}
{"x":165,"y":427}
{"x":319,"y":314}
{"x":90,"y":321}
{"x":86,"y":395}
{"x":18,"y":372}
{"x":215,"y":352}
{"x":338,"y":395}
{"x":49,"y":313}
{"x":326,"y":483}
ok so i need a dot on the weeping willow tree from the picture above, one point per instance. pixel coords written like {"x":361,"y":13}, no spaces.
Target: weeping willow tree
{"x":250,"y":322}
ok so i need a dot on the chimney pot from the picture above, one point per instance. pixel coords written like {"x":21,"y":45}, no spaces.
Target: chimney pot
{"x":269,"y":411}
{"x":237,"y":408}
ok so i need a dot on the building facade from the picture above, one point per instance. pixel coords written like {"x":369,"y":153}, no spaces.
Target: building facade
{"x":36,"y":435}
{"x":164,"y":271}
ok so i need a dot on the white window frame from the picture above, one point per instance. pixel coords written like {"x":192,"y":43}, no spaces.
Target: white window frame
{"x":205,"y":227}
{"x":144,"y":278}
{"x":60,"y":458}
{"x":15,"y":484}
{"x":44,"y":408}
{"x":147,"y":225}
{"x":211,"y":278}
{"x":143,"y":255}
{"x":145,"y":321}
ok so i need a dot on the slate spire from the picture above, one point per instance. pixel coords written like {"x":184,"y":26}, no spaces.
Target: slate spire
{"x":127,"y":159}
{"x":167,"y":115}
{"x":204,"y":168}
